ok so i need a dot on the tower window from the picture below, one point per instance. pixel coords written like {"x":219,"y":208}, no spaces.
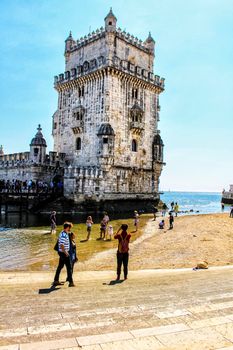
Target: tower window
{"x":81,"y":91}
{"x":78,"y":144}
{"x":105,"y":140}
{"x":110,"y":23}
{"x":36,"y":151}
{"x":134,"y":146}
{"x":135,"y":93}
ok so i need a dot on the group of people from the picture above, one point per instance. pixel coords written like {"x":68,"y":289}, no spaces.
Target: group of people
{"x":66,"y":248}
{"x":38,"y":186}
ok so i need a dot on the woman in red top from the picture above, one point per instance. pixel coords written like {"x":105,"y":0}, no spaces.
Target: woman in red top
{"x":123,"y":250}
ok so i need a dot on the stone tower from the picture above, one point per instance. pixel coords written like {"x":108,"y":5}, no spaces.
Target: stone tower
{"x":107,"y":117}
{"x":38,"y":147}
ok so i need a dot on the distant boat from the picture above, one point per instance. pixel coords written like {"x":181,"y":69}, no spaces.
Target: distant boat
{"x":227,"y":196}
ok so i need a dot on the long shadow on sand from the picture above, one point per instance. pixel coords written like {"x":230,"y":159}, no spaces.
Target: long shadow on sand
{"x":48,"y":290}
{"x":112,"y":283}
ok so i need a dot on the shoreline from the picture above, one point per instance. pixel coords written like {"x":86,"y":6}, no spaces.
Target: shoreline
{"x":195,"y":238}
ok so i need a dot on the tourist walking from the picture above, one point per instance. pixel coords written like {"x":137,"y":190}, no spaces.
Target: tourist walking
{"x":136,"y":220}
{"x":172,"y":205}
{"x":123,"y":250}
{"x":53,"y":222}
{"x":89,"y":224}
{"x":171,"y":220}
{"x":64,"y":257}
{"x":176,"y":208}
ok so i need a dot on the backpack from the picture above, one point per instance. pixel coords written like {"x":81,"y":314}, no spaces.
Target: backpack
{"x":56,"y":246}
{"x":123,"y":245}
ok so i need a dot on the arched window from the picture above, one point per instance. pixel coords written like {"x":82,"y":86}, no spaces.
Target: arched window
{"x":78,"y":144}
{"x":134,"y":146}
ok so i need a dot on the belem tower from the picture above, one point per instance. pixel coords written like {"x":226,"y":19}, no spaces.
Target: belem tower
{"x":105,"y":128}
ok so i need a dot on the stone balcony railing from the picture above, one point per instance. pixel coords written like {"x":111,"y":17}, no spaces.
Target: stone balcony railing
{"x":137,"y":125}
{"x":99,"y":63}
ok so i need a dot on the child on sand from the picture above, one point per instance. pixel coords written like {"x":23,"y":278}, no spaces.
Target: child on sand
{"x":110,"y":232}
{"x":161,"y":224}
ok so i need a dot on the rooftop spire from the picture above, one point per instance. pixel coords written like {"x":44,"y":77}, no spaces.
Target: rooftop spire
{"x":150,"y":39}
{"x":110,"y":14}
{"x":70,"y":36}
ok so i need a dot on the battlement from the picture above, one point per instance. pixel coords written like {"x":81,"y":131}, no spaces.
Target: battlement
{"x":101,"y":32}
{"x":23,"y":159}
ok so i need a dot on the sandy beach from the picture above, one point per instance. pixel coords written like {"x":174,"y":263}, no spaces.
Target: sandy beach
{"x":193,"y":239}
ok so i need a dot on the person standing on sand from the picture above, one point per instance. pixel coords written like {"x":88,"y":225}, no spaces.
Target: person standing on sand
{"x":64,"y":257}
{"x":155,"y":211}
{"x":123,"y":250}
{"x":136,"y":220}
{"x":171,"y":220}
{"x":176,"y":208}
{"x":89,"y":224}
{"x":53,"y":222}
{"x":164,"y":209}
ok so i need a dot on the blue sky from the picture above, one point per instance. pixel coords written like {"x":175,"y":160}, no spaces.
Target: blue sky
{"x":194,"y":52}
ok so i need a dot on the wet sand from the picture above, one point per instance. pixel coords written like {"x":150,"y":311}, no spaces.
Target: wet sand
{"x":194,"y":238}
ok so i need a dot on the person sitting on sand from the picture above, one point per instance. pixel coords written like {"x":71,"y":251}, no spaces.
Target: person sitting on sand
{"x":161,"y":224}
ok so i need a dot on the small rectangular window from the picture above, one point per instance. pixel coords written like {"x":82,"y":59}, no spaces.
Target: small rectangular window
{"x":105,"y":140}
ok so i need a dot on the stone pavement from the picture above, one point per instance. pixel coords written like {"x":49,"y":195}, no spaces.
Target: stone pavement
{"x":153,"y":309}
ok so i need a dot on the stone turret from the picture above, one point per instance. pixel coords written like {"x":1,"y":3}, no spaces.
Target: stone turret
{"x":150,"y":43}
{"x":158,"y":148}
{"x":110,"y":22}
{"x":69,"y":42}
{"x":38,"y":147}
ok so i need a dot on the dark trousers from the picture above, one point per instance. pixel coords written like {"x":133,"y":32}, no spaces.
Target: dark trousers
{"x":64,"y":260}
{"x":122,"y":258}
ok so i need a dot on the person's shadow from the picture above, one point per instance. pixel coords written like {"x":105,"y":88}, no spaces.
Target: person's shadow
{"x":48,"y":290}
{"x":113,"y":282}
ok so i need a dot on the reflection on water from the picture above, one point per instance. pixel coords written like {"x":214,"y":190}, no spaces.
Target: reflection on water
{"x":23,"y":248}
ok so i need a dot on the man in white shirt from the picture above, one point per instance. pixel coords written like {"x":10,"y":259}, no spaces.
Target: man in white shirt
{"x":63,"y":251}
